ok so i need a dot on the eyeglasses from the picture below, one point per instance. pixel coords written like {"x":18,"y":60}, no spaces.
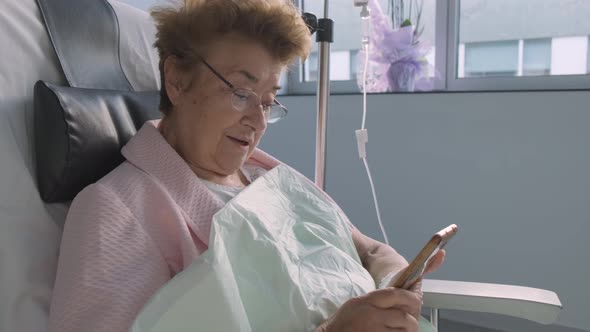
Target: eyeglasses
{"x":243,"y":99}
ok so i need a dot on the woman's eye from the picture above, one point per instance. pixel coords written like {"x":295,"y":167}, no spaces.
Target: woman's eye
{"x":241,"y":96}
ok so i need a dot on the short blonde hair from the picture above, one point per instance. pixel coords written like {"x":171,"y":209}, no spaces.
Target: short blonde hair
{"x":185,"y":31}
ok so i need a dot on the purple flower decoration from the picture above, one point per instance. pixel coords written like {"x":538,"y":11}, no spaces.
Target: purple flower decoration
{"x":397,"y":62}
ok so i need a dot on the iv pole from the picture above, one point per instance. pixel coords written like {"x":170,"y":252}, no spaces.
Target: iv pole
{"x":324,"y":29}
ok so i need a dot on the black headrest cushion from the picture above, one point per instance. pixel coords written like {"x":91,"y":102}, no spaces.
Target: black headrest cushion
{"x":79,"y":134}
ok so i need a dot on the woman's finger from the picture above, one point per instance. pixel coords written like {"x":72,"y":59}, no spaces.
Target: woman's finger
{"x":400,"y":319}
{"x":413,"y":311}
{"x":387,"y":298}
{"x":435,"y":262}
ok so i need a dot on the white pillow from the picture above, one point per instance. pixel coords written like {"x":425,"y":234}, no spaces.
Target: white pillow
{"x":139,"y":58}
{"x":29,"y":229}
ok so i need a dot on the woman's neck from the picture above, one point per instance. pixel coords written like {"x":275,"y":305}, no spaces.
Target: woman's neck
{"x":236,"y":179}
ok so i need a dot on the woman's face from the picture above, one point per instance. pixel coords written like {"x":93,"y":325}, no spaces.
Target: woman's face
{"x":208,"y":132}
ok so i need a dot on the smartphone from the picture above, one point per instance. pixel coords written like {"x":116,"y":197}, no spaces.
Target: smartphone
{"x":416,"y":268}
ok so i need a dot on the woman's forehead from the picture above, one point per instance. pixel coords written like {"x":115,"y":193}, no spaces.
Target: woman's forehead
{"x":243,"y":60}
{"x":266,"y":77}
{"x":252,"y":73}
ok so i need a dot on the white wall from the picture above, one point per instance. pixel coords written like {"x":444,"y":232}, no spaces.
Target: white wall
{"x":568,"y":55}
{"x":512,"y":169}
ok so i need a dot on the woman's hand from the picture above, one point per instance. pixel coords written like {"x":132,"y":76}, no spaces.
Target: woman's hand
{"x":433,"y":264}
{"x":381,"y":310}
{"x":384,"y":309}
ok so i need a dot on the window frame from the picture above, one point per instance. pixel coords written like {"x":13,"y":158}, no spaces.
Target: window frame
{"x":447,"y":34}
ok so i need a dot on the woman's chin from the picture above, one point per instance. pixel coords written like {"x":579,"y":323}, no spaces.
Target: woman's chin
{"x":231,"y":157}
{"x":232,"y":166}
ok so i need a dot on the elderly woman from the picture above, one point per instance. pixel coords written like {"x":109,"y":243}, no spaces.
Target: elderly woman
{"x":131,"y":232}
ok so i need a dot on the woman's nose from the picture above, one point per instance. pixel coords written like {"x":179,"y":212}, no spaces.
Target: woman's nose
{"x":256,"y":118}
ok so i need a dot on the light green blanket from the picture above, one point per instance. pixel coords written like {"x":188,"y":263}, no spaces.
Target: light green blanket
{"x":280,"y":258}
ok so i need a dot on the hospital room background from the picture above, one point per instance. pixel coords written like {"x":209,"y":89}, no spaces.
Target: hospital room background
{"x":498,"y":144}
{"x":511,"y":167}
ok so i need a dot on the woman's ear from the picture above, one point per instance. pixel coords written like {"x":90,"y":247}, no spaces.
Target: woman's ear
{"x":173,"y":79}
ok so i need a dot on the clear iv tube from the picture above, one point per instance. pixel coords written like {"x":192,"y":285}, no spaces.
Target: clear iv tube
{"x":365,"y":25}
{"x":366,"y":32}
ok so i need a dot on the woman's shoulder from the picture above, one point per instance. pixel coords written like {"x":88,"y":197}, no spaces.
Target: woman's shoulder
{"x":117,"y":188}
{"x":124,"y":177}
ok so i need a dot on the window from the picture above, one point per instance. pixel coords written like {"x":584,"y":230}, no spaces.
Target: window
{"x":536,"y":57}
{"x":477,"y":44}
{"x":344,"y":60}
{"x":531,"y":57}
{"x":482,"y":59}
{"x":341,"y":66}
{"x":549,"y":38}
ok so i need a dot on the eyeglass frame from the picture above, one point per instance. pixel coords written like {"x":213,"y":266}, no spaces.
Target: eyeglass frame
{"x":234,"y":89}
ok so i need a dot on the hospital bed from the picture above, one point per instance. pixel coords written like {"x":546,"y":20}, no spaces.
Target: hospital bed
{"x":30,"y":228}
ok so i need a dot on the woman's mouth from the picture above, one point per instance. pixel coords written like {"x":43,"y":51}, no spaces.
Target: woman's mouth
{"x":239,"y":141}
